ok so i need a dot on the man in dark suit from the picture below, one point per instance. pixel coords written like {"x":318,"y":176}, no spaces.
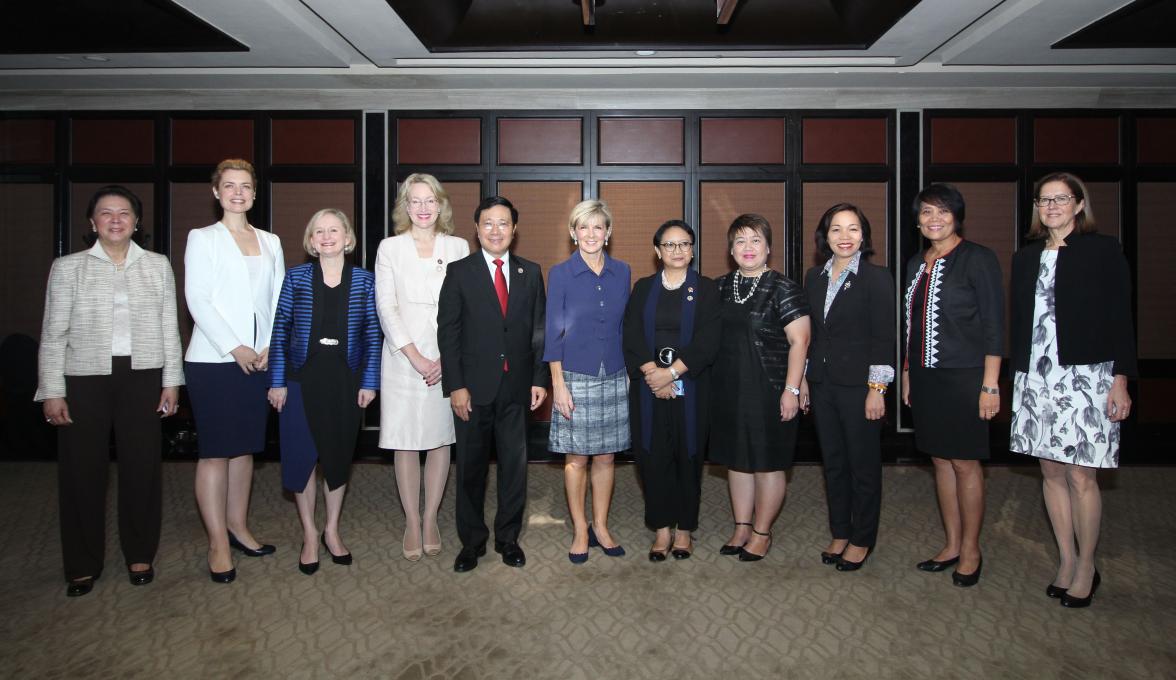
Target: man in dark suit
{"x":490,"y":320}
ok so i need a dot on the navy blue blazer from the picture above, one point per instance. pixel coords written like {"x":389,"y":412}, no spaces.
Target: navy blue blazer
{"x":292,"y":322}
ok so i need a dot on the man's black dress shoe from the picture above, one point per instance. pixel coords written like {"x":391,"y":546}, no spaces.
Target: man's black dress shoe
{"x":344,"y":559}
{"x":223,"y":576}
{"x":1055,"y":592}
{"x":1079,"y":602}
{"x":141,"y":578}
{"x":79,"y":586}
{"x":467,"y":559}
{"x":933,"y":565}
{"x":260,"y":551}
{"x":967,"y":580}
{"x":512,"y":554}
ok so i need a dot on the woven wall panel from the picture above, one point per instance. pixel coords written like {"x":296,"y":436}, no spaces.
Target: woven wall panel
{"x":313,"y":141}
{"x":192,"y":207}
{"x":721,"y":203}
{"x":540,"y":141}
{"x":464,"y":197}
{"x":818,"y":197}
{"x":113,"y":142}
{"x":1156,"y":304}
{"x":992,"y":222}
{"x":730,"y":141}
{"x":208,"y":142}
{"x":1104,"y":200}
{"x":1156,"y":140}
{"x":26,"y":216}
{"x":639,"y":208}
{"x":990,"y":141}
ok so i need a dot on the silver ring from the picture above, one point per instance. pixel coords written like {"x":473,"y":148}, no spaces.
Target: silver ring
{"x":49,"y":420}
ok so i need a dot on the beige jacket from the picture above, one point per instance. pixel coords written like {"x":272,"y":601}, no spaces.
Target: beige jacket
{"x":78,"y":329}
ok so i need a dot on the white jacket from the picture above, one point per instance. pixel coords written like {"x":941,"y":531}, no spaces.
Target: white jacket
{"x":217,"y":290}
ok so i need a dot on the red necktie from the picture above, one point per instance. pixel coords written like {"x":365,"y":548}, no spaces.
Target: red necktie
{"x":500,"y":288}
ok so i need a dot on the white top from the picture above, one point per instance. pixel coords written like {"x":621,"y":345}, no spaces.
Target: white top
{"x":120,"y":343}
{"x":227,"y":309}
{"x":261,"y":286}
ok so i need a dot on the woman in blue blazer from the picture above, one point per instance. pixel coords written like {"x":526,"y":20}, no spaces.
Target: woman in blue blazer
{"x":325,"y":368}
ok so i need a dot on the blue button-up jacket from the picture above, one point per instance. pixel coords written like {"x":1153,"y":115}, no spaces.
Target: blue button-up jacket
{"x":584,"y":315}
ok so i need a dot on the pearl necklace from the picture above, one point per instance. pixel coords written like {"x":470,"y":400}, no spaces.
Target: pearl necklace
{"x":666,"y":282}
{"x":754,"y":285}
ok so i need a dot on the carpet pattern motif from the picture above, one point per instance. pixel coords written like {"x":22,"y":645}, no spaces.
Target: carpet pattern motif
{"x":707,"y":617}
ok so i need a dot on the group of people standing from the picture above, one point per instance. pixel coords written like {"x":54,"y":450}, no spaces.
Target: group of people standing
{"x":676,"y":368}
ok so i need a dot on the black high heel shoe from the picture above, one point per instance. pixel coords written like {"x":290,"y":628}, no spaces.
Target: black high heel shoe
{"x":830,"y":558}
{"x":1056,"y":592}
{"x":745,"y":556}
{"x":967,"y":580}
{"x":223,"y":576}
{"x":344,"y":559}
{"x":261,"y":551}
{"x":141,"y":578}
{"x":729,"y":549}
{"x":1079,"y":602}
{"x":845,"y":565}
{"x":594,"y":542}
{"x":80,"y":586}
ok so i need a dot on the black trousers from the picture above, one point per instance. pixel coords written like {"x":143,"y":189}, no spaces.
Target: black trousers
{"x":503,"y":422}
{"x":125,"y":400}
{"x":851,"y":449}
{"x":672,"y":479}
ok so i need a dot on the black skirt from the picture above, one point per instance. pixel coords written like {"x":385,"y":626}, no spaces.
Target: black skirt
{"x":946,"y":407}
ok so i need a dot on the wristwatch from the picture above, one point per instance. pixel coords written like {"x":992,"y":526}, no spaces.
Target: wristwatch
{"x":989,"y":390}
{"x":794,"y":390}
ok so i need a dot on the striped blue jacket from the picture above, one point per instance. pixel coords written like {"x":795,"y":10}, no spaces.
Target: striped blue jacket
{"x":292,"y":321}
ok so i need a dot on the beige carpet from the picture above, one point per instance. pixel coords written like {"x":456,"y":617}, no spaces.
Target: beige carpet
{"x":707,"y":617}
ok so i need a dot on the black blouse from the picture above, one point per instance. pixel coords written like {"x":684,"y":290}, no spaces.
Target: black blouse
{"x":777,"y":302}
{"x":959,"y":315}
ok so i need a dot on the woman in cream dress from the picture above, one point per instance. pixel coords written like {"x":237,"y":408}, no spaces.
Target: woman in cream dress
{"x":414,"y":416}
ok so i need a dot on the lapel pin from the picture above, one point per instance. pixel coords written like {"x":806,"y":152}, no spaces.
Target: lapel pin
{"x":689,"y":289}
{"x":519,"y":270}
{"x":689,"y":298}
{"x":847,"y":284}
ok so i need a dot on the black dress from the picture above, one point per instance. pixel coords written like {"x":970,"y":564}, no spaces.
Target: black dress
{"x":747,"y":434}
{"x":323,"y":394}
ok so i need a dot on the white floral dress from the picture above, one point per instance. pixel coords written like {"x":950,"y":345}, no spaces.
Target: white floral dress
{"x":1060,"y":411}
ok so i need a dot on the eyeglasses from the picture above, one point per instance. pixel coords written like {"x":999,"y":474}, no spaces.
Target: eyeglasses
{"x":491,"y":226}
{"x":427,"y":203}
{"x":1059,"y":200}
{"x":679,"y":247}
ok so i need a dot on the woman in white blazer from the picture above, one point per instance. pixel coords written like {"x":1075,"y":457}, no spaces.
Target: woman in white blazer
{"x":110,"y":345}
{"x":414,"y":415}
{"x":233,"y":276}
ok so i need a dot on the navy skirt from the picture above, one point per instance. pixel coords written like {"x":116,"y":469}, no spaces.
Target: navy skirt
{"x":230,"y":408}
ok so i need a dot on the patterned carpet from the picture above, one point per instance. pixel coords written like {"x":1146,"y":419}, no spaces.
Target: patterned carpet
{"x":707,"y":617}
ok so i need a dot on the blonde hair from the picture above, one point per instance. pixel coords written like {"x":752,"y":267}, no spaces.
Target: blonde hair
{"x":347,"y":229}
{"x":587,"y":209}
{"x":233,"y":164}
{"x":1083,"y":221}
{"x":401,"y":222}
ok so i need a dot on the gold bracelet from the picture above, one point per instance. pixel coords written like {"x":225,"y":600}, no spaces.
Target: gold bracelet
{"x":880,"y":388}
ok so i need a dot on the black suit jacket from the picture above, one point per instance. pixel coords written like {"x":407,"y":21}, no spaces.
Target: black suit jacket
{"x":859,"y":331}
{"x":475,"y":339}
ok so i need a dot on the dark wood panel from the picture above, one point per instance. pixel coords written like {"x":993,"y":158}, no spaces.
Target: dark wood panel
{"x":1157,"y":252}
{"x":119,"y":141}
{"x":540,"y":141}
{"x":27,"y":140}
{"x":26,"y":211}
{"x":731,"y":141}
{"x":1076,"y":140}
{"x":208,"y":142}
{"x":642,"y":141}
{"x":844,"y":140}
{"x":439,"y":141}
{"x":312,"y":141}
{"x":1156,"y":140}
{"x":974,"y":140}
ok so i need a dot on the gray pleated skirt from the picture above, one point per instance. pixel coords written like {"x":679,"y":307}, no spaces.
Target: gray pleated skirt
{"x":600,"y":420}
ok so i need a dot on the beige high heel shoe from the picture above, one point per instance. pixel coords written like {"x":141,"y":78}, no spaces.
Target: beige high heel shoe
{"x":433,"y":549}
{"x":410,"y":555}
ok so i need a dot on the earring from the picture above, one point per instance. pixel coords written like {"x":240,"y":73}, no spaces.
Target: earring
{"x":606,"y":240}
{"x":575,"y":241}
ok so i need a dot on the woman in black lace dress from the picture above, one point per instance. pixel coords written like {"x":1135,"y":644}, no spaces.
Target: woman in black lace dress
{"x":757,"y":384}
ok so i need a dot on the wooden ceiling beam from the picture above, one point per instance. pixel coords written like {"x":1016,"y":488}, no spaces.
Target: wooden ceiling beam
{"x":724,"y":9}
{"x":588,"y":12}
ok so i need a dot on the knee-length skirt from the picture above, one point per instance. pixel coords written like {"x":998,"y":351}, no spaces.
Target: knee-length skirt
{"x":230,"y":408}
{"x":600,"y":419}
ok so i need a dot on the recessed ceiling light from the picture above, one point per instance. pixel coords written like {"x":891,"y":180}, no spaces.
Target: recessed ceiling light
{"x":96,"y":57}
{"x":646,"y":53}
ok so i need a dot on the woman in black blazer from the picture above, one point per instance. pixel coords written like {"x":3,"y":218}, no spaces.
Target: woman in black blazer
{"x":1073,"y":351}
{"x":850,"y":367}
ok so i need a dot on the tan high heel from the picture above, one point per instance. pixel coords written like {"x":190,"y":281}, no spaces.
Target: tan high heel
{"x":410,"y":555}
{"x":432,"y":549}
